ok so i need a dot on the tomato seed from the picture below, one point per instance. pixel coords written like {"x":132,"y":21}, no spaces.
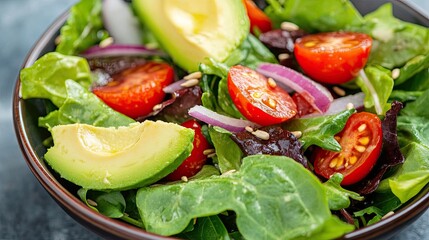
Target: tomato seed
{"x":362,"y":127}
{"x":333,"y":163}
{"x":363,"y":140}
{"x":272,"y":83}
{"x":352,"y":160}
{"x":272,"y":103}
{"x":359,"y":148}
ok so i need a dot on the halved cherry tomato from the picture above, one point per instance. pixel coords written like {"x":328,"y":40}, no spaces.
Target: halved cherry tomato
{"x":333,"y":57}
{"x":258,"y":100}
{"x":361,"y":141}
{"x":135,"y":91}
{"x":193,"y":164}
{"x":258,"y":19}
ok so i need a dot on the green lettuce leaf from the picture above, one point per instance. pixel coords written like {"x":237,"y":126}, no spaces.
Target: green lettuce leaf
{"x":320,"y":131}
{"x":82,"y":106}
{"x":83,"y":29}
{"x":394,"y":41}
{"x":338,"y":197}
{"x":314,"y":16}
{"x":413,"y":67}
{"x":413,"y":137}
{"x":46,"y":77}
{"x":377,"y":84}
{"x":267,"y":194}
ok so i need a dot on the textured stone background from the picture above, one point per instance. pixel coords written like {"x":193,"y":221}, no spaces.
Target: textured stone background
{"x":26,"y":209}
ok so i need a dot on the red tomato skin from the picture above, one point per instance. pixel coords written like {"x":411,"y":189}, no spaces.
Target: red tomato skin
{"x":365,"y":161}
{"x":135,"y":91}
{"x":244,"y":83}
{"x":330,"y":60}
{"x":193,"y":164}
{"x":258,"y":19}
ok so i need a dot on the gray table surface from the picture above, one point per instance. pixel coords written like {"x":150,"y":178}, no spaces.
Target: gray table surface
{"x":26,"y":209}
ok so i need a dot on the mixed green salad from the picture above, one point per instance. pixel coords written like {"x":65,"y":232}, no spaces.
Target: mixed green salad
{"x":223,"y":119}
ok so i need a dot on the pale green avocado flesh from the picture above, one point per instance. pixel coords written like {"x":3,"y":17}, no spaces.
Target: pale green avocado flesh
{"x":118,"y":158}
{"x":192,"y":30}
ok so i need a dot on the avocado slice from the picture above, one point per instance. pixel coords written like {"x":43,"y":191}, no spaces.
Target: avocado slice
{"x":120,"y":158}
{"x":191,"y":30}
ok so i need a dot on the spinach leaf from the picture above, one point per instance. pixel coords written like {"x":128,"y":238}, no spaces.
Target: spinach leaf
{"x":314,"y":16}
{"x":46,"y":77}
{"x":207,"y":228}
{"x":394,"y":41}
{"x":268,"y":194}
{"x":228,"y":154}
{"x":250,"y":53}
{"x":338,"y":197}
{"x":320,"y":131}
{"x":83,"y":29}
{"x":377,"y":84}
{"x":82,"y":106}
{"x":110,"y":204}
{"x":413,"y":67}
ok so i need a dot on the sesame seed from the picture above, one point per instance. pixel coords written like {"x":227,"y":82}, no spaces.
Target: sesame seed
{"x":283,"y":56}
{"x":261,"y":134}
{"x":289,"y":26}
{"x":91,"y":202}
{"x":350,"y":106}
{"x":249,"y":128}
{"x":184,"y":178}
{"x":194,"y":75}
{"x":190,"y":83}
{"x":106,"y":42}
{"x":297,"y":134}
{"x":395,"y":73}
{"x":211,"y":155}
{"x":339,"y":91}
{"x":208,"y":151}
{"x":272,"y":83}
{"x":157,"y":107}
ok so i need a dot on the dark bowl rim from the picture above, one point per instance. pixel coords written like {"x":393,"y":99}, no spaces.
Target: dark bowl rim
{"x":91,"y":219}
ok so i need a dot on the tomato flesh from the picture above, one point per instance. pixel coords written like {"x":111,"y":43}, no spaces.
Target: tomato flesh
{"x":361,"y":141}
{"x":259,"y":21}
{"x":193,"y":164}
{"x":333,"y":57}
{"x":256,"y":99}
{"x":135,"y":91}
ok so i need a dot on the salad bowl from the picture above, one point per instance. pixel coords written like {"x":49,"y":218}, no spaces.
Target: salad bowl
{"x":31,"y":137}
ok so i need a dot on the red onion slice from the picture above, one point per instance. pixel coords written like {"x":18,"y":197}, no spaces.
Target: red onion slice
{"x":318,"y":95}
{"x":116,"y":50}
{"x":120,"y":22}
{"x":341,"y":104}
{"x":213,"y":118}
